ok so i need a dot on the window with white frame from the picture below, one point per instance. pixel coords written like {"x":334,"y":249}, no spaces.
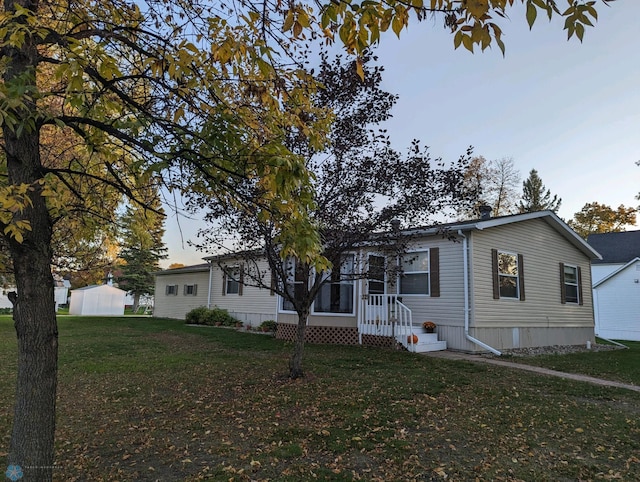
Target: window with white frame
{"x":508,"y":275}
{"x":414,"y":279}
{"x":375,"y":275}
{"x":336,"y":295}
{"x":232,"y":280}
{"x":570,"y":284}
{"x":295,"y":283}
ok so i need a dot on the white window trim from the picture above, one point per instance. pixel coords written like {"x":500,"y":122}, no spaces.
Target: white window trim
{"x":384,"y":272}
{"x":576,"y":284}
{"x":227,"y":278}
{"x":281,"y":298}
{"x":354,"y":297}
{"x":313,"y":311}
{"x":428,"y":273}
{"x":517,"y":276}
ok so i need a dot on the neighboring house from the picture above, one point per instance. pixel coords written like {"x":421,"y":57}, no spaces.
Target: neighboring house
{"x":179,"y":290}
{"x":4,"y":298}
{"x":61,"y":291}
{"x":501,"y":283}
{"x":97,"y":300}
{"x":616,"y":285}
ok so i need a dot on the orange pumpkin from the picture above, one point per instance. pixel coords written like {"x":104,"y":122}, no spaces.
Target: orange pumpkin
{"x":412,"y":339}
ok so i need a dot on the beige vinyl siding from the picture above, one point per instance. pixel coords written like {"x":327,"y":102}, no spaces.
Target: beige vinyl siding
{"x":254,"y":306}
{"x":178,"y":305}
{"x":515,"y":321}
{"x":448,"y":308}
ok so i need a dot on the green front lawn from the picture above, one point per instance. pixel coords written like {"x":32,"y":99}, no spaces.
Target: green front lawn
{"x":147,"y":399}
{"x":621,"y":365}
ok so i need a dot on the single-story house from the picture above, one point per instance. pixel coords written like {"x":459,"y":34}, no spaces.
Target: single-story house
{"x":616,"y":285}
{"x":492,"y":284}
{"x":97,"y":300}
{"x":60,"y":293}
{"x":4,"y":298}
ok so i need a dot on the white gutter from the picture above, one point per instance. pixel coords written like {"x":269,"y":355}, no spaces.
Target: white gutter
{"x":465,"y":254}
{"x":210,"y":282}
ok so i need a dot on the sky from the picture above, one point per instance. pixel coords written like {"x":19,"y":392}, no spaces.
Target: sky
{"x":570,"y":110}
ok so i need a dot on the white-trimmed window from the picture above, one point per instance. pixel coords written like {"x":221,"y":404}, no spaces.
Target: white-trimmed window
{"x":570,"y":284}
{"x":414,"y":278}
{"x":232,"y":280}
{"x":375,"y":274}
{"x":171,"y":290}
{"x":337,"y":294}
{"x":508,"y":275}
{"x":190,"y":290}
{"x":295,"y":283}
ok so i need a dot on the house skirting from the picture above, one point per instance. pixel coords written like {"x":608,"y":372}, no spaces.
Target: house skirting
{"x":336,"y":335}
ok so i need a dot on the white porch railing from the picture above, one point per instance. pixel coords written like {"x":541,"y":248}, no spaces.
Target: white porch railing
{"x":384,"y":315}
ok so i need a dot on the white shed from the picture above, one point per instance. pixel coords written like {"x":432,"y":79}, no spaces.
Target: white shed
{"x":617,"y":303}
{"x":97,"y":300}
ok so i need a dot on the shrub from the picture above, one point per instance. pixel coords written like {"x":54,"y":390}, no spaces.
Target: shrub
{"x":205,"y":316}
{"x":197,"y":316}
{"x":269,"y":325}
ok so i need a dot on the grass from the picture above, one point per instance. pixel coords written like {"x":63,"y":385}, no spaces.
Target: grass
{"x":147,"y":399}
{"x":620,"y":365}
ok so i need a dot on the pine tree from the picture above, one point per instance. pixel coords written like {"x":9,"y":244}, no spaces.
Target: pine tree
{"x":142,"y":247}
{"x":534,"y":196}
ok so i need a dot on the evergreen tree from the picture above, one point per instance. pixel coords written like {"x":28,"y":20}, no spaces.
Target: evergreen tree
{"x":535,"y":197}
{"x":142,"y":246}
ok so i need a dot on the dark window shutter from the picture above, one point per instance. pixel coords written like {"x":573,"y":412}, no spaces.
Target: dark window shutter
{"x":175,"y":290}
{"x":563,"y":294}
{"x":224,"y":283}
{"x":434,"y":270}
{"x":195,"y":290}
{"x":521,"y":276}
{"x":496,"y":282}
{"x":241,"y":280}
{"x":580,"y":301}
{"x":184,"y":290}
{"x":166,"y":289}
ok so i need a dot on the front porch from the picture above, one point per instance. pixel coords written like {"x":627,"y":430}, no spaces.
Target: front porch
{"x":384,"y":315}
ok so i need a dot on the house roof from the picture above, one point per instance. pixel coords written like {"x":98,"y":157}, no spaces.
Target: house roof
{"x":93,"y":287}
{"x":615,"y":273}
{"x":185,"y":269}
{"x":549,"y":217}
{"x":616,"y":247}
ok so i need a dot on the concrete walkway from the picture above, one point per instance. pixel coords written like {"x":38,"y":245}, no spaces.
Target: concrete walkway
{"x":451,"y":355}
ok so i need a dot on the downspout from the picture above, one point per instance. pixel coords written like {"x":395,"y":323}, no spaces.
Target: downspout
{"x":210,"y":282}
{"x":467,"y":309}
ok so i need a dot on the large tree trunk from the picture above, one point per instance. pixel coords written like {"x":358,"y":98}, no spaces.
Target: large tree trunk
{"x":136,"y":302}
{"x":295,"y":363}
{"x":32,"y":438}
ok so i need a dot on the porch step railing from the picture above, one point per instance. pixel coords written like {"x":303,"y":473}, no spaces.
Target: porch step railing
{"x":384,"y":315}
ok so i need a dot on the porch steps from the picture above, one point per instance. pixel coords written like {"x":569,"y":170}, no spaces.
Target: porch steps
{"x":426,"y":342}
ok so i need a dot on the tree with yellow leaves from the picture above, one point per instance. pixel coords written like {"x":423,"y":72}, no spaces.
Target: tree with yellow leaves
{"x":185,"y":90}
